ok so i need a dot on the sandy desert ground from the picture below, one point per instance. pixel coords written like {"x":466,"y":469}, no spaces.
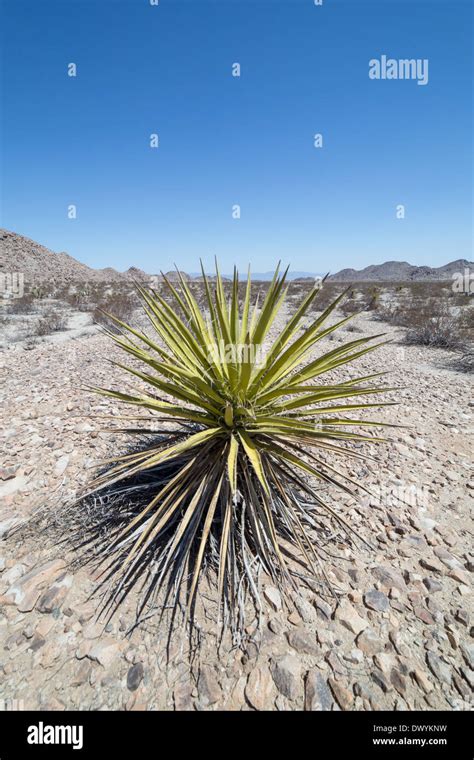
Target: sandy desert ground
{"x":400,"y":637}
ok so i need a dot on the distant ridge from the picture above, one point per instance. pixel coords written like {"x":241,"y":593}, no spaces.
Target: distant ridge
{"x":39,"y":264}
{"x":261,"y":276}
{"x":402,"y":271}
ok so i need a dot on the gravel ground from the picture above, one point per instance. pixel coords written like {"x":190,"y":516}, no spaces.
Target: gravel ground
{"x":399,"y":639}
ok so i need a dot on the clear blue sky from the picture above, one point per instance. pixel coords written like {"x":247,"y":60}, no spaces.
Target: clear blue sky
{"x":247,"y":141}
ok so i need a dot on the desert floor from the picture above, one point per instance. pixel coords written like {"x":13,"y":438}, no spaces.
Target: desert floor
{"x":400,"y":637}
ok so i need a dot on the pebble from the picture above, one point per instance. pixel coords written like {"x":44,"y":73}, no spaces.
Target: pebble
{"x":135,"y":676}
{"x":376,"y":600}
{"x":350,"y":618}
{"x":317,"y":693}
{"x":286,"y":673}
{"x":260,"y":688}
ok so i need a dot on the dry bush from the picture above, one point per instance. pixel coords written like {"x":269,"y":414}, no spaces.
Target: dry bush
{"x":50,"y":322}
{"x":466,"y":362}
{"x":438,"y":328}
{"x":120,"y":305}
{"x":23,"y":305}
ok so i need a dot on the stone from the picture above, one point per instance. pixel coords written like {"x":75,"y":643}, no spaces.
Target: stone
{"x":422,"y":680}
{"x":462,"y":688}
{"x":273,"y":597}
{"x":388,"y":577}
{"x":260,"y":688}
{"x":306,"y":610}
{"x":183,"y":697}
{"x":433,"y":565}
{"x":368,"y":642}
{"x":384,"y":662}
{"x":343,"y":696}
{"x":14,"y":573}
{"x":44,"y":626}
{"x":323,"y":607}
{"x":61,"y":465}
{"x":462,"y":616}
{"x":105,"y":651}
{"x":26,"y":591}
{"x":286,"y":673}
{"x":440,"y":669}
{"x":303,"y":641}
{"x":276,"y":625}
{"x":318,"y":696}
{"x":467,"y":651}
{"x":433,"y":585}
{"x":398,"y":681}
{"x":381,"y":681}
{"x":460,"y":576}
{"x":208,"y":685}
{"x":350,"y":618}
{"x":82,"y":674}
{"x":423,"y":614}
{"x":12,"y":485}
{"x":93,"y":630}
{"x":54,"y":597}
{"x":376,"y":600}
{"x":134,"y":676}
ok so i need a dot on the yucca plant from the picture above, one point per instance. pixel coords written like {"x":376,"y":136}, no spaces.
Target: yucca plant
{"x":234,"y":483}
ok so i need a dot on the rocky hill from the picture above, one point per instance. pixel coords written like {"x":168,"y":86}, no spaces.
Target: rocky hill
{"x":40,"y":264}
{"x":402,"y":271}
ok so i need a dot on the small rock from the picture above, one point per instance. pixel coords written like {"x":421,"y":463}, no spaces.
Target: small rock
{"x":54,"y":597}
{"x":423,"y":615}
{"x":303,"y":641}
{"x":432,"y":565}
{"x":260,"y":688}
{"x":208,"y":686}
{"x":27,"y":590}
{"x":105,"y":651}
{"x":462,"y":617}
{"x":286,"y":672}
{"x":389,"y":577}
{"x":368,"y":642}
{"x":343,"y":696}
{"x":379,"y":678}
{"x":183,"y":697}
{"x":433,"y":585}
{"x":61,"y":465}
{"x":317,"y":694}
{"x":273,"y":597}
{"x":467,"y":651}
{"x":398,"y":681}
{"x":349,"y":618}
{"x":460,"y":576}
{"x":422,"y":680}
{"x":376,"y":600}
{"x":134,"y":676}
{"x":440,"y":669}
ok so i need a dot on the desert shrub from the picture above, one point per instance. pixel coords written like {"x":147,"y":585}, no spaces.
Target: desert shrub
{"x":50,"y":322}
{"x":23,"y":305}
{"x":465,"y":362}
{"x":231,"y":483}
{"x":121,"y":305}
{"x":439,"y":329}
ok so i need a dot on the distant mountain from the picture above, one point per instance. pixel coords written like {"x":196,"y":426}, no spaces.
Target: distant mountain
{"x":401,"y":271}
{"x":261,"y":276}
{"x":39,"y":264}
